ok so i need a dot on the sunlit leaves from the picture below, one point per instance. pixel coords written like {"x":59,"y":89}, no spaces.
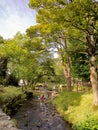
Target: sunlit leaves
{"x":41,"y":3}
{"x":82,"y":14}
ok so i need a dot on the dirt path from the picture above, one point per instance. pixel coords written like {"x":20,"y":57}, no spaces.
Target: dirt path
{"x":32,"y":116}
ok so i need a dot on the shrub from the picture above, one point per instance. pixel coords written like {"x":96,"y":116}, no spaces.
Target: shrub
{"x":89,"y":123}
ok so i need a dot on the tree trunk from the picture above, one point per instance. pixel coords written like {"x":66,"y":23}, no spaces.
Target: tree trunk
{"x":93,"y":67}
{"x":66,"y":62}
{"x":94,"y":79}
{"x":67,"y":73}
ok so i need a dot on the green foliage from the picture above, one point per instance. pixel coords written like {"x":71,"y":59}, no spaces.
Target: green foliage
{"x":1,"y":40}
{"x":9,"y":93}
{"x":11,"y":80}
{"x":89,"y":123}
{"x":59,"y":70}
{"x":41,"y":48}
{"x":3,"y":66}
{"x":77,"y":108}
{"x":3,"y":61}
{"x":28,"y":59}
{"x":11,"y":99}
{"x":65,"y":100}
{"x":80,"y":67}
{"x":64,"y":27}
{"x":21,"y":61}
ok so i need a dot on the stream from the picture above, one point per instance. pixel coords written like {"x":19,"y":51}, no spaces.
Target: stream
{"x":33,"y":116}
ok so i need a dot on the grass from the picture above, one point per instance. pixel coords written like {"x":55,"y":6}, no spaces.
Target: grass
{"x":76,"y":107}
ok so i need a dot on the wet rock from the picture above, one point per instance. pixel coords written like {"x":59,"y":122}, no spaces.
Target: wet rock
{"x":34,"y":128}
{"x":53,"y":114}
{"x":38,"y":124}
{"x":6,"y":123}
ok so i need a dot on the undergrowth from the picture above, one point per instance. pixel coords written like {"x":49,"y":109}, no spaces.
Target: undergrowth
{"x":9,"y":93}
{"x":78,"y":109}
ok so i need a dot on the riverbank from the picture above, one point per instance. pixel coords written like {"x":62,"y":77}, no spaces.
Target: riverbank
{"x":6,"y":123}
{"x":78,"y":109}
{"x":11,"y":99}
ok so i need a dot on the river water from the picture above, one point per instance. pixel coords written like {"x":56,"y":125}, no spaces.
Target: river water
{"x":33,"y":116}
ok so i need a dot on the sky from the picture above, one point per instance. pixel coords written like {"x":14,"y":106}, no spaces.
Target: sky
{"x":15,"y":15}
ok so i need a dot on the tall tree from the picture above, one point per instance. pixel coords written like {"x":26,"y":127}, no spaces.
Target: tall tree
{"x":52,"y":32}
{"x":20,"y":58}
{"x":76,"y":15}
{"x":83,"y":16}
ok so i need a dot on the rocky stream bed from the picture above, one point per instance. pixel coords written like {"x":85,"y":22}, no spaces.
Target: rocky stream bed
{"x":33,"y":116}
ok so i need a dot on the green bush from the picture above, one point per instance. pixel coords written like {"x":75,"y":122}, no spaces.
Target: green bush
{"x":89,"y":123}
{"x":9,"y":93}
{"x":12,"y":106}
{"x":78,"y":109}
{"x":11,"y":99}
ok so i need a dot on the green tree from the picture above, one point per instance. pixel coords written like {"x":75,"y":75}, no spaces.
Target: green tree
{"x":54,"y":36}
{"x":20,"y":58}
{"x":78,"y":16}
{"x":82,"y":16}
{"x":44,"y":58}
{"x":3,"y":62}
{"x":80,"y":67}
{"x":28,"y":60}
